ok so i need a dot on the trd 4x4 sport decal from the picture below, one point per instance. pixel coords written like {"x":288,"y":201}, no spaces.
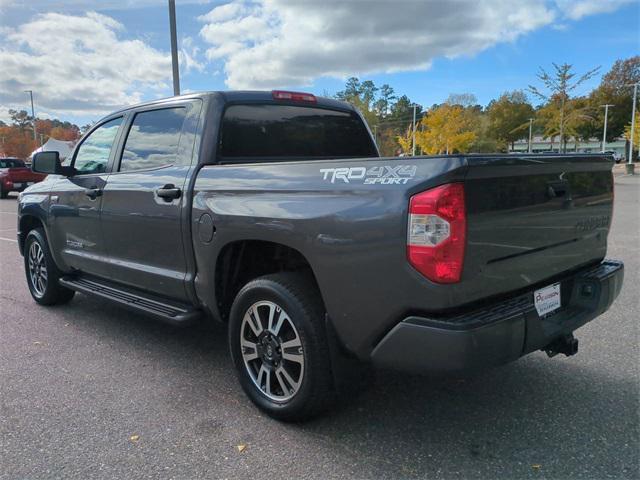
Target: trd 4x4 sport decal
{"x":383,"y":175}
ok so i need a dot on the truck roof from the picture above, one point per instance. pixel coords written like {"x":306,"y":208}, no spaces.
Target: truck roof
{"x":241,"y":96}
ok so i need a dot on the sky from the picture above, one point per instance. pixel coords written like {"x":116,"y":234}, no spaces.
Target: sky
{"x":84,"y":59}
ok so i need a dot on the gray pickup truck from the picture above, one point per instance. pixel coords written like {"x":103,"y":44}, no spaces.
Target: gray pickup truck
{"x":273,"y":212}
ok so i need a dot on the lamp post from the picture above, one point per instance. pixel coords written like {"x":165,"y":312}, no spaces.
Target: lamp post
{"x":174,"y":47}
{"x":630,"y":165}
{"x":413,"y":141}
{"x":604,"y":133}
{"x":530,"y":131}
{"x":33,"y":116}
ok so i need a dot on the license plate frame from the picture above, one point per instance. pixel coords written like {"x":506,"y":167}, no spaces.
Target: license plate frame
{"x":18,"y":184}
{"x":547,"y":299}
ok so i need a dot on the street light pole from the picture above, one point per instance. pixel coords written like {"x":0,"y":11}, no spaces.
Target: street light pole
{"x":604,"y":133}
{"x":174,"y":47}
{"x":633,"y":126}
{"x":530,"y":130}
{"x":413,"y":148}
{"x":33,"y":116}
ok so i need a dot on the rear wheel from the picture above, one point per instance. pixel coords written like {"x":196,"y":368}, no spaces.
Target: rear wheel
{"x":3,"y":193}
{"x":41,"y":271}
{"x":279,"y":347}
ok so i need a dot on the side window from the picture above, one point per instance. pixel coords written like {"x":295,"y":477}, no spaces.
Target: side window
{"x":153,"y":139}
{"x":93,"y":154}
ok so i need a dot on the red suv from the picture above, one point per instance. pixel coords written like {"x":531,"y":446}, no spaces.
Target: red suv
{"x":15,"y":176}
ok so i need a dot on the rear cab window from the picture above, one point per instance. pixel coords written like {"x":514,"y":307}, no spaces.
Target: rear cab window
{"x":272,"y":132}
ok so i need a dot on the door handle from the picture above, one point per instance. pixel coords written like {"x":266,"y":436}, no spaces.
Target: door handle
{"x":169,"y":192}
{"x":93,"y":193}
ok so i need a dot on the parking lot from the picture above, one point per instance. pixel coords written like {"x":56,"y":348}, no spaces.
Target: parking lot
{"x":89,"y":390}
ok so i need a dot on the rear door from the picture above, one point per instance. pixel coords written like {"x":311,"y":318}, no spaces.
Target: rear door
{"x":144,"y":199}
{"x":74,"y":216}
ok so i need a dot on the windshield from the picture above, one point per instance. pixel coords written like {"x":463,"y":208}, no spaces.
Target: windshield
{"x":292,"y":132}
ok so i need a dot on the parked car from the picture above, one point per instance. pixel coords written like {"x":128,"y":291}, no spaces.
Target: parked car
{"x":272,"y":212}
{"x":15,"y":176}
{"x":617,"y":157}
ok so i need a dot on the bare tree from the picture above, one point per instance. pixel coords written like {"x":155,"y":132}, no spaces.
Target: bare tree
{"x":559,"y":85}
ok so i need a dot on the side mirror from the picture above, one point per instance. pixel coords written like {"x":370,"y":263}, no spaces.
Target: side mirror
{"x":47,"y":162}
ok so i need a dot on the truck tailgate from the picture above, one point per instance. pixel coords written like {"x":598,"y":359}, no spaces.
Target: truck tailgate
{"x":532,"y":218}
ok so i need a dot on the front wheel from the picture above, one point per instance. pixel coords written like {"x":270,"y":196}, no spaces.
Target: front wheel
{"x":42,"y":272}
{"x":279,"y":347}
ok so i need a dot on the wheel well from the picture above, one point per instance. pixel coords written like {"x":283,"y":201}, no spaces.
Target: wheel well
{"x":27,"y":223}
{"x":242,"y":261}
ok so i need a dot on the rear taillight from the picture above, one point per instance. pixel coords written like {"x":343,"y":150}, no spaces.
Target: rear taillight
{"x":436,"y":234}
{"x":293,"y":96}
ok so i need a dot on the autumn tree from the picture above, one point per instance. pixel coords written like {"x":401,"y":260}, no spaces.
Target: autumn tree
{"x":557,"y":89}
{"x":577,"y":120}
{"x":465,"y":100}
{"x":16,"y":140}
{"x":446,"y":129}
{"x":636,"y":133}
{"x":508,"y":117}
{"x":21,"y":119}
{"x":405,"y":140}
{"x":615,"y":89}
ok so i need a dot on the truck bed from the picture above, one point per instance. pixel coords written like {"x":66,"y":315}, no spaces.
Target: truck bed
{"x":530,"y":219}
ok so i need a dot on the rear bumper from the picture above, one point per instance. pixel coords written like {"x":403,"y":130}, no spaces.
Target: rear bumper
{"x":498,"y":333}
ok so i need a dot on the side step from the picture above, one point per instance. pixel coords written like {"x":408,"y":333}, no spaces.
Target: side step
{"x":164,"y":310}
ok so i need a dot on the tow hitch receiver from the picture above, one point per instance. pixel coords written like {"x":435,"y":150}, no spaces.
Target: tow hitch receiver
{"x":566,"y":344}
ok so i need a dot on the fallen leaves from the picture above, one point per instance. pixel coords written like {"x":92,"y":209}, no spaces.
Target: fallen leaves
{"x":241,"y":448}
{"x":134,"y":438}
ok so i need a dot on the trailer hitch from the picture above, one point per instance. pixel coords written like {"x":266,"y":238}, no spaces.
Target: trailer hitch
{"x":566,"y":344}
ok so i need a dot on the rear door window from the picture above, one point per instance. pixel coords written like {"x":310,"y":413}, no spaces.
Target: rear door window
{"x":153,"y":139}
{"x":292,"y":132}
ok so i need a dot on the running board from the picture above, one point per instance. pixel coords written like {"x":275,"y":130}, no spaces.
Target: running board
{"x":166,"y":311}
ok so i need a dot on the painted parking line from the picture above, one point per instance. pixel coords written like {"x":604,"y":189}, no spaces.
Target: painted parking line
{"x":9,"y":240}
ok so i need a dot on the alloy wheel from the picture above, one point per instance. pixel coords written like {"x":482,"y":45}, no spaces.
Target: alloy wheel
{"x":37,"y":269}
{"x":272,"y":351}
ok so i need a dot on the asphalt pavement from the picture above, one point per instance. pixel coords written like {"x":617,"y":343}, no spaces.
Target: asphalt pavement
{"x":89,"y":390}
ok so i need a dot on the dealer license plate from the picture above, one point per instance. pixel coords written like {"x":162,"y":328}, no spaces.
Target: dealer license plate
{"x":547,"y":299}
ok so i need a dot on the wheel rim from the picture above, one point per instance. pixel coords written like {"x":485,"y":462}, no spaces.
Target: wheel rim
{"x":37,"y":269}
{"x":272,"y":351}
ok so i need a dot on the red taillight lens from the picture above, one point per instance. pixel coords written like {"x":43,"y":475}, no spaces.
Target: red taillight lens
{"x":436,"y":234}
{"x":293,"y":96}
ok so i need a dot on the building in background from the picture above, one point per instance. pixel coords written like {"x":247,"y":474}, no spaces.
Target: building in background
{"x":541,"y":144}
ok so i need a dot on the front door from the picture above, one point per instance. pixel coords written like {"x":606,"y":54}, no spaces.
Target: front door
{"x":74,"y":215}
{"x":142,"y":205}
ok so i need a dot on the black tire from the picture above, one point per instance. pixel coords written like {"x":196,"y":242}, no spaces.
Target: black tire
{"x":3,"y":193}
{"x":46,"y":291}
{"x":297,"y":295}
